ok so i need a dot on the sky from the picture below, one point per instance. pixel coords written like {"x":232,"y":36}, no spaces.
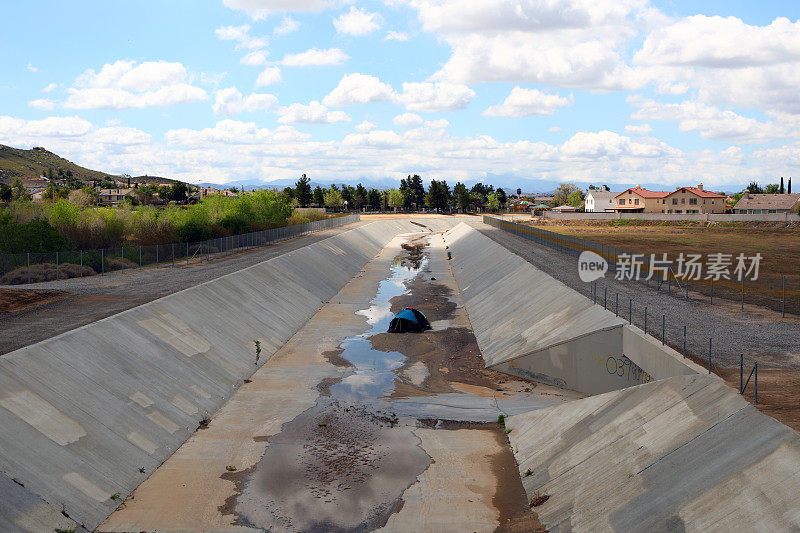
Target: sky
{"x":524,"y":93}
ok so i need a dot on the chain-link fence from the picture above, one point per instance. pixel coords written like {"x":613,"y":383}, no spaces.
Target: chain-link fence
{"x":772,"y":291}
{"x":35,"y":267}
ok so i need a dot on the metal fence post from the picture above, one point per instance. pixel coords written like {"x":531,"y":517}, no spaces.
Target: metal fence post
{"x":712,"y":292}
{"x":663,"y":328}
{"x":741,"y":372}
{"x":630,"y":311}
{"x":29,"y":267}
{"x":605,"y":298}
{"x":709,"y":355}
{"x":102,"y":261}
{"x":122,"y":261}
{"x":56,"y":266}
{"x":140,"y":256}
{"x":616,"y":306}
{"x":645,"y":320}
{"x":756,"y":365}
{"x":684,"y":341}
{"x":187,"y":254}
{"x":173,"y":254}
{"x":742,"y":294}
{"x":81,"y":263}
{"x":156,"y":254}
{"x":783,"y":298}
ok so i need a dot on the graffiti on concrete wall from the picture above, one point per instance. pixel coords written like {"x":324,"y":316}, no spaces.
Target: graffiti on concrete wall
{"x":622,"y":367}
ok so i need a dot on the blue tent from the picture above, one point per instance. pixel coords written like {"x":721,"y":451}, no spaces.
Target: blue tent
{"x":409,"y":319}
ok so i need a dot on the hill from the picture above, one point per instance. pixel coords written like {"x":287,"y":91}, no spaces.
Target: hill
{"x":30,"y":164}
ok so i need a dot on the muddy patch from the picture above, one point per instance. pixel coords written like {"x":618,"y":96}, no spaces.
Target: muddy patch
{"x":13,"y":300}
{"x":334,"y":468}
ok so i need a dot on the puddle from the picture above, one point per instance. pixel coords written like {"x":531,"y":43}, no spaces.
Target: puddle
{"x":375,"y":371}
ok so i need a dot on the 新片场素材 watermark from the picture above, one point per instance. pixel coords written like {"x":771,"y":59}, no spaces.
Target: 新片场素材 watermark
{"x":693,"y":267}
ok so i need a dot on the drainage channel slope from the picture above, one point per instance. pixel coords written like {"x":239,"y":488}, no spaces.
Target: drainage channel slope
{"x":350,"y":428}
{"x":90,"y":414}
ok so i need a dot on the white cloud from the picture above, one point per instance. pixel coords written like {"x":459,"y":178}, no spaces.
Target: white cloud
{"x":526,"y":102}
{"x":407,"y":120}
{"x":706,"y":54}
{"x":32,"y":68}
{"x":287,"y":25}
{"x":254,"y":58}
{"x":124,"y":84}
{"x":554,"y":129}
{"x":607,"y":144}
{"x":261,"y":9}
{"x":717,"y":42}
{"x":315,"y":57}
{"x":711,"y":122}
{"x":120,"y":136}
{"x":50,"y":87}
{"x":231,"y":102}
{"x":241,"y":34}
{"x":358,"y":89}
{"x":638,"y":129}
{"x":393,"y":35}
{"x":268,"y":76}
{"x":42,"y":103}
{"x":439,"y":96}
{"x":376,"y":138}
{"x":21,"y":130}
{"x":437,"y":124}
{"x":365,"y":126}
{"x":313,"y":113}
{"x":569,"y":43}
{"x":357,"y":22}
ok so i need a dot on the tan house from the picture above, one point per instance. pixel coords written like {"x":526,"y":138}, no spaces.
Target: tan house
{"x":758,"y":204}
{"x":639,"y":200}
{"x":693,"y":200}
{"x":115,"y":196}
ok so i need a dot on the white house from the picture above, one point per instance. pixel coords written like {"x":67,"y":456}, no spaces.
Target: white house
{"x":599,"y":201}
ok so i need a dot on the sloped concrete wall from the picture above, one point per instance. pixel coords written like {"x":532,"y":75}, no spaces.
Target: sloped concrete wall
{"x":682,"y":454}
{"x":530,"y":325}
{"x":83,"y":412}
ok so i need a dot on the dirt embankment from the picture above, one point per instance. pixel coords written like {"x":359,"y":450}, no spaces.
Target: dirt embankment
{"x":13,"y":300}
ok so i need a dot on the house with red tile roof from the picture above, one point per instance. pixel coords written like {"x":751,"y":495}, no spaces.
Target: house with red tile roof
{"x":639,"y":200}
{"x":693,"y":200}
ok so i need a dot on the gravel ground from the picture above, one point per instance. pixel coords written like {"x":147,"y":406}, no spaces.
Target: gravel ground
{"x":758,"y":333}
{"x":92,"y":298}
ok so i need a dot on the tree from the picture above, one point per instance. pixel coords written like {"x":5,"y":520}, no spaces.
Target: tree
{"x":782,"y":189}
{"x":347,"y":195}
{"x":319,"y":196}
{"x":575,"y":199}
{"x":789,"y":187}
{"x":438,"y":196}
{"x":560,"y":197}
{"x":164,"y":193}
{"x":418,"y":191}
{"x":374,"y":199}
{"x":492,"y":202}
{"x":359,"y":196}
{"x":754,"y":188}
{"x":18,"y":191}
{"x":462,"y":196}
{"x":333,"y":198}
{"x":179,"y":192}
{"x":6,"y":193}
{"x":772,"y":188}
{"x":519,"y":192}
{"x":303,"y":191}
{"x":396,"y":199}
{"x":501,"y":197}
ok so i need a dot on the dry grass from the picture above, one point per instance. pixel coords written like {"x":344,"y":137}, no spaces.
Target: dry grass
{"x":45,"y":272}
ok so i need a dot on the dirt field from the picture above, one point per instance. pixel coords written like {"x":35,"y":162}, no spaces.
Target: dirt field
{"x":777,"y":242}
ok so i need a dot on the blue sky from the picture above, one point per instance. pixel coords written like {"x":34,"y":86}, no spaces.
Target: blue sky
{"x":527,"y":93}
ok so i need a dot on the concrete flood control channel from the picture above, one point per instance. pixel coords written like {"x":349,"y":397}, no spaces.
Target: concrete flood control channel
{"x":349,"y":428}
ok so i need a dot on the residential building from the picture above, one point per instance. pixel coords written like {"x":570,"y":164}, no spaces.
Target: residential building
{"x":114,"y":196}
{"x":599,"y":201}
{"x":565,"y":209}
{"x":693,"y":200}
{"x":758,"y":204}
{"x":639,"y":200}
{"x":208,"y":191}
